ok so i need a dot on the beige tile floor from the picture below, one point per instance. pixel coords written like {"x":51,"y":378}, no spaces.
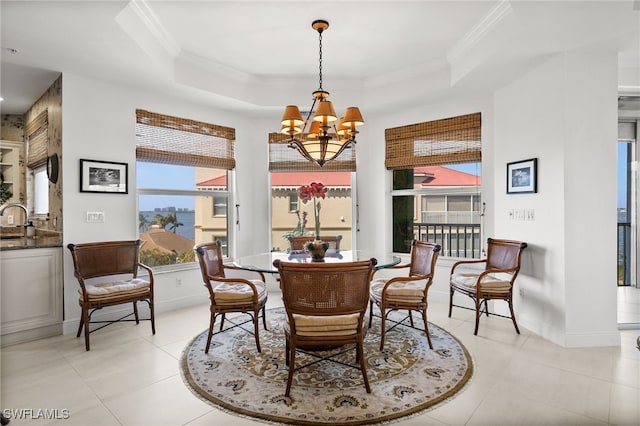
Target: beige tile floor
{"x":132,"y":378}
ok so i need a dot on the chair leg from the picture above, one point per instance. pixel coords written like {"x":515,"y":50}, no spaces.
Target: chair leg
{"x":212,"y":322}
{"x":451,"y":291}
{"x":383,"y":327}
{"x":513,"y":315}
{"x":135,"y":311}
{"x":370,"y":312}
{"x":222,"y":321}
{"x":256,"y":328}
{"x":81,"y":324}
{"x":426,"y":327}
{"x":478,"y":313}
{"x":153,"y":317}
{"x":85,"y":320}
{"x":292,"y":363}
{"x":264,"y":317}
{"x":363,"y":367}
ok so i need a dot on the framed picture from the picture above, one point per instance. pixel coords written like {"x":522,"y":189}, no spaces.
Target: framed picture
{"x":522,"y":176}
{"x":103,"y":176}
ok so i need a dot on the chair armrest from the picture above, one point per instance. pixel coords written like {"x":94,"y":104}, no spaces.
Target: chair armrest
{"x":466,"y":262}
{"x":235,"y":280}
{"x":398,"y":266}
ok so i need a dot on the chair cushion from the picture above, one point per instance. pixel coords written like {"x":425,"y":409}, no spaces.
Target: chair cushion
{"x":490,"y":283}
{"x":233,"y":293}
{"x":325,"y":325}
{"x":116,"y":289}
{"x":399,"y":292}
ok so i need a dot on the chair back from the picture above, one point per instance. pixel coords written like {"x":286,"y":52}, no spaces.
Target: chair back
{"x":100,"y":259}
{"x":423,"y":258}
{"x":297,"y":243}
{"x":210,"y":258}
{"x":504,"y":254}
{"x":325,"y":288}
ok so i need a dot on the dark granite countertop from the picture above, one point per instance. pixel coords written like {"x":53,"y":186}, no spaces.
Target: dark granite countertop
{"x":44,"y":240}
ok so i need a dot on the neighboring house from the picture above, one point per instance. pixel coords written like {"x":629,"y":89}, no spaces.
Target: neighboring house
{"x":454,"y":196}
{"x":459,"y":202}
{"x":166,"y":242}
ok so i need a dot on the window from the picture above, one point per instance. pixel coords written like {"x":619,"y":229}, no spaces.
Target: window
{"x":436,"y":184}
{"x":289,"y":171}
{"x":219,"y":206}
{"x":40,"y":191}
{"x":183,"y":170}
{"x":293,"y":202}
{"x":37,"y":182}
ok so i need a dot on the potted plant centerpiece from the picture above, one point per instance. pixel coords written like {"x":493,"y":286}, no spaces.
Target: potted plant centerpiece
{"x":314,"y":192}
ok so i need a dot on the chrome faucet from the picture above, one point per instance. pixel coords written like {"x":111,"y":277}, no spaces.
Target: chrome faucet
{"x":20,"y":206}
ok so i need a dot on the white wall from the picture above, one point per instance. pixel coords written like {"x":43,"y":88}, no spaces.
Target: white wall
{"x":565,"y":114}
{"x":562,"y":113}
{"x":99,"y":124}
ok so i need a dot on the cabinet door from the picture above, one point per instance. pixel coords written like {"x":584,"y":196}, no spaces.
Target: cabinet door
{"x":10,"y":174}
{"x":31,"y":289}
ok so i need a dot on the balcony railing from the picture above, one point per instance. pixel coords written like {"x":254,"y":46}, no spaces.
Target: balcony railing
{"x":456,"y":239}
{"x":624,"y":253}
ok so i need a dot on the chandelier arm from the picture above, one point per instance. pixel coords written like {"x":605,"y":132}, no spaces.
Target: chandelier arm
{"x":307,"y":120}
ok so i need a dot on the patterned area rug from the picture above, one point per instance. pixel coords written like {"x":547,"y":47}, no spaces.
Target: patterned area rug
{"x":406,"y":378}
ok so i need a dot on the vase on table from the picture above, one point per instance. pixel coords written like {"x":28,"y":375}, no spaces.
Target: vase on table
{"x":317,"y":249}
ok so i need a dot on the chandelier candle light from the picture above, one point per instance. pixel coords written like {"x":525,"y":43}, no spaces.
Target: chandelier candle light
{"x":318,"y":137}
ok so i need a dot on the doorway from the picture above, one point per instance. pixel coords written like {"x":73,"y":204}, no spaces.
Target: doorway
{"x":628,"y":287}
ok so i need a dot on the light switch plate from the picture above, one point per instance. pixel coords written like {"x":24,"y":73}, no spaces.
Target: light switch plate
{"x":95,"y":217}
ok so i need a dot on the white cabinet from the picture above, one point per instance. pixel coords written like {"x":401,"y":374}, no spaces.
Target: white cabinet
{"x":10,"y":168}
{"x":30,"y":294}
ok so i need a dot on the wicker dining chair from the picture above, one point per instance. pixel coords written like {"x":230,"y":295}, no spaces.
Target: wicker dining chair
{"x":230,"y":294}
{"x":407,"y":292}
{"x":494,"y":282}
{"x":325,"y":305}
{"x":108,"y":275}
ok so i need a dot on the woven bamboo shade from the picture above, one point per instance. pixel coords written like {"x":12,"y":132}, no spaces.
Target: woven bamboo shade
{"x":447,"y":141}
{"x":172,"y":140}
{"x":285,"y":159}
{"x":37,"y":132}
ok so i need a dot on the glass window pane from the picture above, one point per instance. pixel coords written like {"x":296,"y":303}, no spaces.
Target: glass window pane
{"x":40,"y":191}
{"x":172,"y":222}
{"x":448,"y":200}
{"x":292,"y":217}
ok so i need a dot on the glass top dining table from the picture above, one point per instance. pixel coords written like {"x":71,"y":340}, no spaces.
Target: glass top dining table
{"x":263,"y":262}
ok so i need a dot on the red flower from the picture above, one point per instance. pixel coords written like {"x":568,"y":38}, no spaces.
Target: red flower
{"x":312,"y":192}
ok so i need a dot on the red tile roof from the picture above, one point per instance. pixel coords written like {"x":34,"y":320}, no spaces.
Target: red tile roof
{"x":433,"y":176}
{"x":332,"y":179}
{"x":444,"y":176}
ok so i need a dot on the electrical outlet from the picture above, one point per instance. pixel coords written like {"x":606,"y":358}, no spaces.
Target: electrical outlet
{"x":95,"y":217}
{"x":10,"y":220}
{"x":178,"y":282}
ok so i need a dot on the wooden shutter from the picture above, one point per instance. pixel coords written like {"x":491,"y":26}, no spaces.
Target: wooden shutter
{"x":447,"y":141}
{"x":37,"y":132}
{"x":172,"y":140}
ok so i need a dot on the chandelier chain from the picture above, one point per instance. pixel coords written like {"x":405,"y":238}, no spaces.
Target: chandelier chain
{"x":320,"y":56}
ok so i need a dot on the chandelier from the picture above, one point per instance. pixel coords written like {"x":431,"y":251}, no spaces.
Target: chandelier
{"x":321,"y":136}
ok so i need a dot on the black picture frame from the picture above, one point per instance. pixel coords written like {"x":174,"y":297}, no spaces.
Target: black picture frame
{"x":104,"y":177}
{"x":522,"y":176}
